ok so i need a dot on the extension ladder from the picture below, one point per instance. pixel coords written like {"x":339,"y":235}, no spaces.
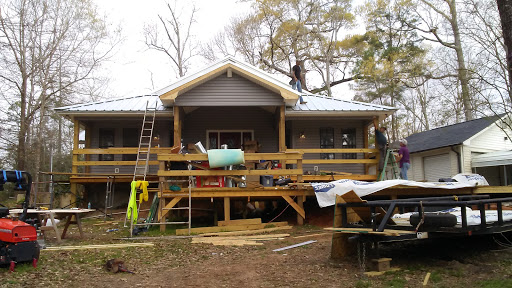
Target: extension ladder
{"x":143,"y":152}
{"x":390,"y":158}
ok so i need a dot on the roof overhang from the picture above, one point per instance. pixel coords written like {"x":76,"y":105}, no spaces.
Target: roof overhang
{"x":128,"y":114}
{"x":499,"y":158}
{"x":289,"y":96}
{"x":380,"y":114}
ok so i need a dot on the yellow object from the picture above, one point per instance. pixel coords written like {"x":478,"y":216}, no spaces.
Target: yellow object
{"x":142,"y":185}
{"x":131,"y":212}
{"x":43,"y":208}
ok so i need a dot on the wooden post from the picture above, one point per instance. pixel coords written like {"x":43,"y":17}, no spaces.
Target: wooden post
{"x":282,"y":129}
{"x":227,"y":209}
{"x":87,"y":146}
{"x":74,"y":168}
{"x":161,"y":185}
{"x":366,"y":155}
{"x":340,"y":246}
{"x":300,"y":202}
{"x":177,"y":126}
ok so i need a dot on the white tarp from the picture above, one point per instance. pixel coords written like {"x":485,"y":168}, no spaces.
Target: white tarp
{"x":326,"y":192}
{"x":472,"y":216}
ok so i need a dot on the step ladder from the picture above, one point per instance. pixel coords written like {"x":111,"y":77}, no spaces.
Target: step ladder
{"x":182,"y":194}
{"x":143,"y":152}
{"x":109,"y":197}
{"x":395,"y":170}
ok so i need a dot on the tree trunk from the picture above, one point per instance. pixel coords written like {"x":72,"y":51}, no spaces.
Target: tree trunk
{"x":505,"y":9}
{"x":462,"y":71}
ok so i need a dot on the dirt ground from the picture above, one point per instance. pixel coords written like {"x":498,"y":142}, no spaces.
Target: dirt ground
{"x":464,"y":262}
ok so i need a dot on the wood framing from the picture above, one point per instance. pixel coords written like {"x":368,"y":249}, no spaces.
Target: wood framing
{"x":282,"y":129}
{"x":177,"y":126}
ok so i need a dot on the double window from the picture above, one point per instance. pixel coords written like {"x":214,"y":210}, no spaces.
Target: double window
{"x":234,"y":139}
{"x":348,"y":140}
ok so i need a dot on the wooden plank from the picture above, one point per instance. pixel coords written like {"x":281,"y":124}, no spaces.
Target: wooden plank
{"x":229,"y":172}
{"x":247,"y":156}
{"x":295,"y":206}
{"x":336,"y":177}
{"x":249,"y":232}
{"x":167,"y":208}
{"x":340,"y":161}
{"x":124,"y":150}
{"x":202,"y":230}
{"x":227,"y":209}
{"x":240,"y":222}
{"x":363,"y":212}
{"x":226,"y":242}
{"x":112,"y":163}
{"x":387,"y":232}
{"x":335,"y":150}
{"x":106,"y":246}
{"x":248,"y":193}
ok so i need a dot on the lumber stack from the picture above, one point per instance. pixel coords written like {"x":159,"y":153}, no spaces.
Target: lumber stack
{"x":238,"y":232}
{"x":232,"y":225}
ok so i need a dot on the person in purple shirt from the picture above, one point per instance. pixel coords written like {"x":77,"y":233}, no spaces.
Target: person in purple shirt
{"x":403,"y":157}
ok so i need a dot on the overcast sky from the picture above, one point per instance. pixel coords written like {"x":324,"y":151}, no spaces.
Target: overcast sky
{"x":135,"y":70}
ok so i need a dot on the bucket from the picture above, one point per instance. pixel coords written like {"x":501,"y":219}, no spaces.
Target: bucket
{"x":225,"y":157}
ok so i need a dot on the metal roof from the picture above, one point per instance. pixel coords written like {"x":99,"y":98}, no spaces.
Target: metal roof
{"x":316,"y":103}
{"x":448,"y":135}
{"x":498,"y":158}
{"x":128,"y":104}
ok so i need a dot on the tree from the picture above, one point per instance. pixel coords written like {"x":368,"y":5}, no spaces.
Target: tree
{"x":278,"y":32}
{"x":49,"y":51}
{"x":505,"y":9}
{"x":393,"y":57}
{"x":176,"y":42}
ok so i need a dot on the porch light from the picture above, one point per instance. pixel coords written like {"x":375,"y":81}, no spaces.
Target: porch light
{"x":302,"y":135}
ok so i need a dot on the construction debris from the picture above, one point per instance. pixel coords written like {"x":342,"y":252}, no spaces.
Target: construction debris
{"x":239,"y":240}
{"x":106,"y":246}
{"x":202,"y":230}
{"x":116,"y":265}
{"x":295,"y":245}
{"x":248,"y":232}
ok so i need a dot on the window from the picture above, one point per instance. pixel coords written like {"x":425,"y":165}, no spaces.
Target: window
{"x":130,"y":139}
{"x":348,"y":140}
{"x":327,"y":142}
{"x":106,"y":140}
{"x":234,"y":139}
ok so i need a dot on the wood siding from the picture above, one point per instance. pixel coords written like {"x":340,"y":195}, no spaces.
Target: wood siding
{"x":311,"y":129}
{"x":261,"y":121}
{"x":229,"y":91}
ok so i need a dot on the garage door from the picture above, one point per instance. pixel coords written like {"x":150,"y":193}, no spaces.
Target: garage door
{"x":436,"y":167}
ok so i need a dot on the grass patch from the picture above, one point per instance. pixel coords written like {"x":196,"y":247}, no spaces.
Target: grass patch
{"x":363,"y":284}
{"x":396,"y":282}
{"x":435,"y":277}
{"x":495,"y":283}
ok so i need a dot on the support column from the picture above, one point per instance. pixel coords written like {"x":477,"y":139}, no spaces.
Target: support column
{"x":300,"y":202}
{"x":227,"y":209}
{"x":282,"y":129}
{"x":74,"y":168}
{"x":365,"y":143}
{"x":177,"y":126}
{"x":161,"y":186}
{"x":340,"y":246}
{"x":87,"y":146}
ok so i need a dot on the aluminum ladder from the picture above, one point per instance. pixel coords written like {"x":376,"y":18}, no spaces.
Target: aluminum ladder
{"x":109,"y":196}
{"x":143,"y":152}
{"x":390,"y":158}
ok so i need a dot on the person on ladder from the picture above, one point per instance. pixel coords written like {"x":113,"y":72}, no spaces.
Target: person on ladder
{"x":403,"y":157}
{"x":381,"y":142}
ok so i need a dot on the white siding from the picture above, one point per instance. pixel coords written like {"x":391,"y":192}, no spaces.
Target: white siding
{"x":417,"y":170}
{"x":490,"y":139}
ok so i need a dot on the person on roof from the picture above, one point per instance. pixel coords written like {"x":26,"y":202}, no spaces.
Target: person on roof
{"x":296,"y":82}
{"x":381,"y":142}
{"x":403,"y":157}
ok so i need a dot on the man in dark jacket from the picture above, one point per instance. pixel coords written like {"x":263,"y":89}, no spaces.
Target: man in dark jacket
{"x":297,"y":79}
{"x":381,"y":142}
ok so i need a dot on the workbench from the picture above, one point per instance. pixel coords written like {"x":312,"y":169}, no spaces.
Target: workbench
{"x":44,"y":215}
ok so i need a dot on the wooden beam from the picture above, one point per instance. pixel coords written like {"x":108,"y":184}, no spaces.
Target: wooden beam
{"x":161,"y":186}
{"x":202,"y":230}
{"x":365,"y":143}
{"x":227,"y":209}
{"x":310,"y":178}
{"x":229,"y":172}
{"x":168,"y":207}
{"x":340,"y":246}
{"x":240,"y":222}
{"x":177,"y":126}
{"x":247,"y":193}
{"x":123,"y":150}
{"x":295,"y":206}
{"x":110,"y":163}
{"x":300,"y":203}
{"x":335,"y":150}
{"x":247,"y":156}
{"x":282,"y":129}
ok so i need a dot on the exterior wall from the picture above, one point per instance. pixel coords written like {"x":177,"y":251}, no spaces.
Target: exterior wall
{"x":263,"y":123}
{"x":163,"y":128}
{"x":311,"y":129}
{"x":417,"y":173}
{"x":229,"y":91}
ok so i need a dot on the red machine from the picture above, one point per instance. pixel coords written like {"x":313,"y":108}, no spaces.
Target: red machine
{"x":18,"y":240}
